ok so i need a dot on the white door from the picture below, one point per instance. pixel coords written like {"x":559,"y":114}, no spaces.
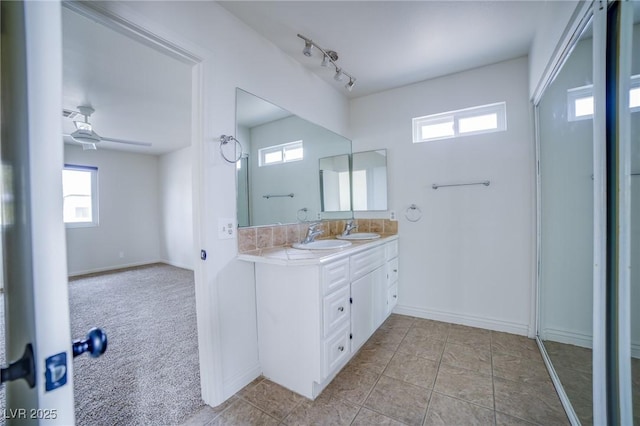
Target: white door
{"x":36,"y":296}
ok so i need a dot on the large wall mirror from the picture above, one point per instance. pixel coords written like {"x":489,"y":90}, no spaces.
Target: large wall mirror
{"x":278,"y":178}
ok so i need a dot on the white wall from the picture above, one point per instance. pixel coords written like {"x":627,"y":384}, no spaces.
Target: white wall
{"x":553,"y":24}
{"x":279,"y":179}
{"x":128,"y":194}
{"x":232,"y":55}
{"x":176,"y":208}
{"x":469,"y":259}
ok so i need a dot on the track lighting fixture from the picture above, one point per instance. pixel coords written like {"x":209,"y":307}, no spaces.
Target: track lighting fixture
{"x":328,"y":57}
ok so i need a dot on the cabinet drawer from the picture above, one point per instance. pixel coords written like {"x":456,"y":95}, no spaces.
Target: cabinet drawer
{"x":367,"y":261}
{"x":335,"y":275}
{"x":391,"y":250}
{"x":337,"y":310}
{"x":336,"y":351}
{"x":392,"y":298}
{"x":392,"y":271}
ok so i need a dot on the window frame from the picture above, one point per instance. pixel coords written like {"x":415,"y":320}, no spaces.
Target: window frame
{"x":497,"y":108}
{"x":95,"y":211}
{"x":282,"y":148}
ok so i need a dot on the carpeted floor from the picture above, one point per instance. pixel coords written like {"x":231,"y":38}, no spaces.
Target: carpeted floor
{"x":150,"y":372}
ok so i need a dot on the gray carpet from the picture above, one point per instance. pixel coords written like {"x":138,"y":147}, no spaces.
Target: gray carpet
{"x":150,"y":373}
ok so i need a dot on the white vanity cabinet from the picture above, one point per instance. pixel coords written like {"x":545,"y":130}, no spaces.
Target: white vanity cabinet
{"x":313,"y":317}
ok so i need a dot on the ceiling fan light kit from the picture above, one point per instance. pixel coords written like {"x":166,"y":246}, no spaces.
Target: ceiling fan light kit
{"x":328,"y":57}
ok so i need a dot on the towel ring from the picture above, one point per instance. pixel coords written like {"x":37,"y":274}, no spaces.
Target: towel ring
{"x":413,"y":213}
{"x":224,"y":139}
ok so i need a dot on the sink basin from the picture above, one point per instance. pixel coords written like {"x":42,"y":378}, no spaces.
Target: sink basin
{"x":359,"y":236}
{"x":322,"y":245}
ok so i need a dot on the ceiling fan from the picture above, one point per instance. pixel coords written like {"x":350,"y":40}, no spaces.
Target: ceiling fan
{"x":85,"y":135}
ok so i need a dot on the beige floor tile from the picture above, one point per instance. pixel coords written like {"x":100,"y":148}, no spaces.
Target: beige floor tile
{"x":411,"y":369}
{"x":507,"y":420}
{"x":514,"y":344}
{"x":386,"y":338}
{"x":447,"y":411}
{"x":273,"y":399}
{"x":399,"y":400}
{"x":468,"y":357}
{"x":250,"y":386}
{"x":207,"y":413}
{"x":352,"y":384}
{"x":470,"y":336}
{"x":326,"y":409}
{"x":423,"y":347}
{"x":373,"y":358}
{"x":367,"y":417}
{"x":468,"y":385}
{"x":428,"y":328}
{"x":521,"y":369}
{"x":397,"y":322}
{"x":539,"y":404}
{"x":569,"y":356}
{"x":243,"y":413}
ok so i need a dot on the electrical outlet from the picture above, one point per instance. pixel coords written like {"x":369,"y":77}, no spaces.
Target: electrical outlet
{"x":319,"y":216}
{"x":121,"y":255}
{"x":392,"y":215}
{"x":226,"y":228}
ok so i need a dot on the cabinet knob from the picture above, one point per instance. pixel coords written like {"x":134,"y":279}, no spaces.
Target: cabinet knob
{"x":395,"y":296}
{"x":341,"y":308}
{"x":395,"y":270}
{"x":341,"y":348}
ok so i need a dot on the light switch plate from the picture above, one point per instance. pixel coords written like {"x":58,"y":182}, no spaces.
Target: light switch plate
{"x":226,"y":228}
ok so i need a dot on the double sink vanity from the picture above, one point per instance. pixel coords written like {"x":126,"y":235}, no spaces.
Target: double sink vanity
{"x":317,"y":306}
{"x":318,"y":301}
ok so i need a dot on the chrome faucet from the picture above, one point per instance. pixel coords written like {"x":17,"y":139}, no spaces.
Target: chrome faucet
{"x":312,"y":233}
{"x":348,"y":227}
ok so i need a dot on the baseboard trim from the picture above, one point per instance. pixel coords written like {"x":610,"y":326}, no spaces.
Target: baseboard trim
{"x":178,"y":264}
{"x":114,"y":268}
{"x":232,"y":385}
{"x":469,"y":320}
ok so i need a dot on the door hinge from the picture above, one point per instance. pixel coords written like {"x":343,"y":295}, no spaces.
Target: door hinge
{"x":350,"y":336}
{"x":351,"y":300}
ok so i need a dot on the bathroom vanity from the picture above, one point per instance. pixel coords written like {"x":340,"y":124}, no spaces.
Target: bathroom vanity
{"x":316,"y":308}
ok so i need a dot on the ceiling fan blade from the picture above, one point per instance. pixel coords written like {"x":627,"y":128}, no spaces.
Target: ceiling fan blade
{"x":128,"y":142}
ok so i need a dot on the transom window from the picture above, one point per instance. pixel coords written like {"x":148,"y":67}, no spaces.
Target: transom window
{"x":463,"y":122}
{"x":80,"y":195}
{"x":279,"y":154}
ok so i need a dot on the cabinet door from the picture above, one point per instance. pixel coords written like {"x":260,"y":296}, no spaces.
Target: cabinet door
{"x":362,"y":317}
{"x":369,"y":305}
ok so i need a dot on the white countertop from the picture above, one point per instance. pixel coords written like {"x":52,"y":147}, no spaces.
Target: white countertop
{"x":289,"y":256}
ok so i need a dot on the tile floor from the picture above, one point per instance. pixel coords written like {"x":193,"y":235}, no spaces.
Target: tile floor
{"x":574,"y":368}
{"x":414,"y":372}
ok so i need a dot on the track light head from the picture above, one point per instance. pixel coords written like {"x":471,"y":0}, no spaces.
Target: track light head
{"x":339,"y":75}
{"x":307,"y":48}
{"x":349,"y":85}
{"x":325,"y":61}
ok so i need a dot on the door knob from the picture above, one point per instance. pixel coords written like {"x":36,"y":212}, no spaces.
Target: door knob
{"x":95,"y":343}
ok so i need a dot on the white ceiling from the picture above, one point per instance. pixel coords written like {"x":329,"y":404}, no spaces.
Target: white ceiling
{"x":143,"y":95}
{"x":387,"y":44}
{"x":138,"y":93}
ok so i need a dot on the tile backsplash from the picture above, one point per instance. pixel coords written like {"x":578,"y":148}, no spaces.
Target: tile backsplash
{"x":260,"y":237}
